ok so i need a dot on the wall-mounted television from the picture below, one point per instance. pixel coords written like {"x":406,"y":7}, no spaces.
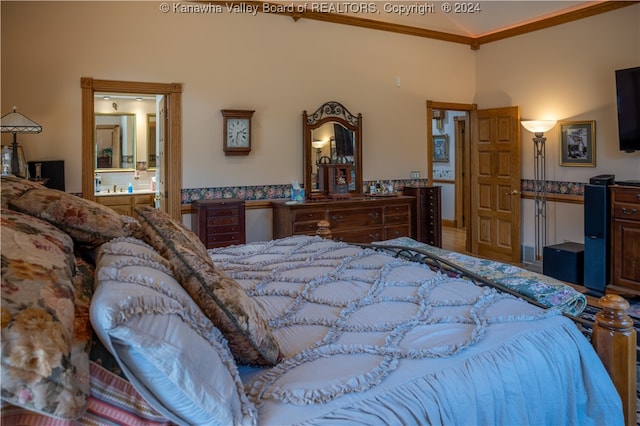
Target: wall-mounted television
{"x":628,"y":103}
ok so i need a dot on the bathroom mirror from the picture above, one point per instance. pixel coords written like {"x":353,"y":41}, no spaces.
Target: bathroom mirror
{"x":331,"y":135}
{"x":115,"y":139}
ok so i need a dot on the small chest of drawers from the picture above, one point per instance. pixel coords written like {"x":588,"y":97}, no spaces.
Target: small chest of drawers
{"x":220,"y":223}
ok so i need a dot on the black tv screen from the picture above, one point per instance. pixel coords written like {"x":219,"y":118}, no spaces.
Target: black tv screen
{"x":628,"y":103}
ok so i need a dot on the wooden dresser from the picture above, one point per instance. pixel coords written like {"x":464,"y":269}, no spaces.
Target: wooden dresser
{"x":427,"y":225}
{"x":219,"y":223}
{"x":356,"y":220}
{"x":625,"y":239}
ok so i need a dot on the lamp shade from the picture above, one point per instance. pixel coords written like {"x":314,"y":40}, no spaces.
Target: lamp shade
{"x":318,"y":144}
{"x":538,"y":126}
{"x":14,"y":122}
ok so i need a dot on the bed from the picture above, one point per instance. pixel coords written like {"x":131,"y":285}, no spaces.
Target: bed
{"x":300,"y":330}
{"x":374,"y":339}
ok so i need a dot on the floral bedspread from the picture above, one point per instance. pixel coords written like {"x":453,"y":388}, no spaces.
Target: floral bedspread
{"x":541,"y":288}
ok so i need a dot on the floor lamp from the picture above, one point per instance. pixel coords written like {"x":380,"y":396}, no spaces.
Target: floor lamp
{"x":538,"y":128}
{"x":15,"y":123}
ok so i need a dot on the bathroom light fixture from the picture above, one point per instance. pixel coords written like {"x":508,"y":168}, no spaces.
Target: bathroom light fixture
{"x":15,"y":123}
{"x":538,"y":128}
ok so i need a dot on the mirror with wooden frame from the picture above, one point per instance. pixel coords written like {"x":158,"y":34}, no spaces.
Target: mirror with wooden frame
{"x":332,"y":135}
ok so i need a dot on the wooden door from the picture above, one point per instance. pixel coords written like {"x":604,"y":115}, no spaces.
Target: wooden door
{"x":161,"y":160}
{"x":495,"y":183}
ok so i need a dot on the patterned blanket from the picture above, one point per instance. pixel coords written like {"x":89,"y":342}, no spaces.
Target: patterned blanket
{"x":541,"y":288}
{"x":113,"y":401}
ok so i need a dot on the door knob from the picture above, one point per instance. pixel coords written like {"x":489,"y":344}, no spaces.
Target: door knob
{"x":514,"y":192}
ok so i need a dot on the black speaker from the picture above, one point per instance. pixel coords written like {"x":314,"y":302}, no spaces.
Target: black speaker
{"x":53,"y":171}
{"x":564,"y":261}
{"x":596,"y":232}
{"x":596,"y":211}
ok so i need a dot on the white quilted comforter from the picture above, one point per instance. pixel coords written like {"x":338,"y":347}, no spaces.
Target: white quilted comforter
{"x":370,"y":339}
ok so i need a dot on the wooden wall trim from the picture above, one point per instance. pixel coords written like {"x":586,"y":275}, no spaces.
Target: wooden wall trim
{"x":558,"y":198}
{"x":552,"y":21}
{"x":248,"y":205}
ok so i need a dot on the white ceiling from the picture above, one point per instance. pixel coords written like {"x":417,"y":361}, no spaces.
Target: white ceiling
{"x":490,"y":16}
{"x":487,"y":17}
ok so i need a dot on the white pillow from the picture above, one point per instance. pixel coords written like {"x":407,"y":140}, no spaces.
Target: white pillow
{"x":169,"y":350}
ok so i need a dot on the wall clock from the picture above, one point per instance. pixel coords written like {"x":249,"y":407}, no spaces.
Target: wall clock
{"x":236,"y":131}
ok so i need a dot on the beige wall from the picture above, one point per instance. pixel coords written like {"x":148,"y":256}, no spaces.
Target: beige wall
{"x":266,"y":62}
{"x":280,"y":67}
{"x":565,"y":73}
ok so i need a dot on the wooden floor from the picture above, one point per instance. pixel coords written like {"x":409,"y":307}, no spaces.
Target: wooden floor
{"x":454,"y":239}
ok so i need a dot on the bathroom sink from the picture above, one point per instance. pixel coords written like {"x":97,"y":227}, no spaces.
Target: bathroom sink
{"x":135,"y":191}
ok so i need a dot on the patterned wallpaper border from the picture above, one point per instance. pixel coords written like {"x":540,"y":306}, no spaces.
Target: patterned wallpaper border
{"x":270,"y":192}
{"x":556,"y":187}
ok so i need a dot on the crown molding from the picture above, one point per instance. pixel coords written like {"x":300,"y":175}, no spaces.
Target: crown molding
{"x":473,"y":42}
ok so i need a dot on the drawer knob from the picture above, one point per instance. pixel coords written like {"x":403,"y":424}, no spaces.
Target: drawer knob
{"x":629,"y":212}
{"x":373,"y":215}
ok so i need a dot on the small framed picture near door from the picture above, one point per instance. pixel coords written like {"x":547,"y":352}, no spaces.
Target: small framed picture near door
{"x":441,"y":148}
{"x":578,"y":143}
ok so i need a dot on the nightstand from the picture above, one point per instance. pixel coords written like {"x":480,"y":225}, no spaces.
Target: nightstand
{"x":220,"y":223}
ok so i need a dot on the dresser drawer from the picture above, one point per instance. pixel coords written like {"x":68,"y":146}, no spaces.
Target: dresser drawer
{"x":390,"y":219}
{"x":223,"y":229}
{"x":307,"y":228}
{"x":222,"y":211}
{"x":342,"y":219}
{"x":626,"y":211}
{"x":397,"y":231}
{"x":223,"y":239}
{"x":627,"y":195}
{"x":308,"y":216}
{"x":365,"y":235}
{"x":400,"y":209}
{"x":222,"y":220}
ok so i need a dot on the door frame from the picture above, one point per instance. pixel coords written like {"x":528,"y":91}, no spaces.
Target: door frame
{"x":173,"y":136}
{"x":461,"y":185}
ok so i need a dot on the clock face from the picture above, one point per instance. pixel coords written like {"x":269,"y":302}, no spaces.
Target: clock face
{"x":237,"y":132}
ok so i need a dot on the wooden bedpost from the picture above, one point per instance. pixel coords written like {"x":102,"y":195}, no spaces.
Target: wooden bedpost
{"x":324,"y":230}
{"x":614,"y":339}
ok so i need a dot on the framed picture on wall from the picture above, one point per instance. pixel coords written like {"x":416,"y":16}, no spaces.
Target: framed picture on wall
{"x":578,"y":143}
{"x":441,"y":148}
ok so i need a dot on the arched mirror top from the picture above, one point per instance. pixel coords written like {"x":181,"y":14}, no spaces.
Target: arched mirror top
{"x":332,"y":136}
